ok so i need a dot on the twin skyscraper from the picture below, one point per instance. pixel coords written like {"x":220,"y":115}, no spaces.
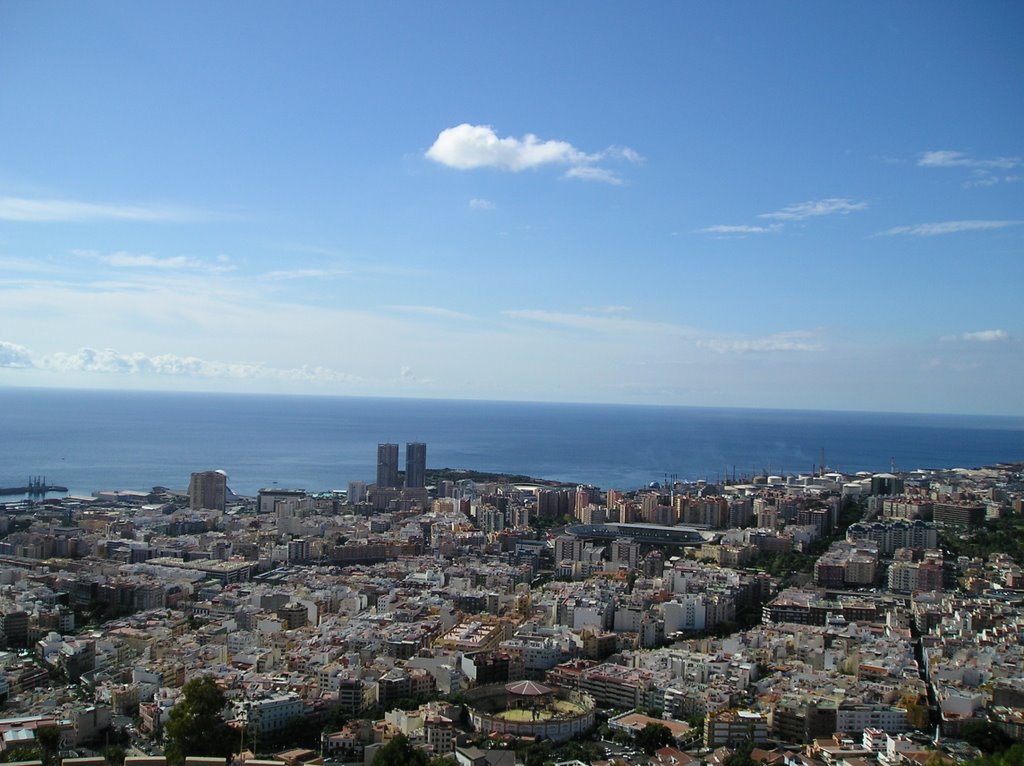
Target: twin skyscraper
{"x":415,"y":465}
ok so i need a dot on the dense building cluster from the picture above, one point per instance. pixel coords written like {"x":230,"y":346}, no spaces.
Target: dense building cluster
{"x":461,"y":613}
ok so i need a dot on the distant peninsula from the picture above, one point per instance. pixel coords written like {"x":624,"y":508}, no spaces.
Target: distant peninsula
{"x":435,"y":475}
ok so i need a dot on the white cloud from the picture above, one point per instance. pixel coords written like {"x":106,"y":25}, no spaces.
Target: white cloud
{"x":185,"y":315}
{"x":13,"y":355}
{"x":814,"y":208}
{"x":986,"y":336}
{"x":469,"y":147}
{"x":115,"y":362}
{"x":432,"y":311}
{"x":481,"y":204}
{"x":625,"y":153}
{"x":948,"y":159}
{"x":593,"y":173}
{"x":796,"y":340}
{"x":606,"y":324}
{"x":125,"y":260}
{"x":740,"y":229}
{"x":406,"y":376}
{"x":797,"y":212}
{"x":981,"y":336}
{"x":306,"y":274}
{"x":942,"y":159}
{"x":982,"y":170}
{"x":26,"y":265}
{"x":129,"y":260}
{"x":953,"y":365}
{"x":151,"y":261}
{"x":74,"y":211}
{"x":613,"y":309}
{"x":981,"y":182}
{"x":945,"y":227}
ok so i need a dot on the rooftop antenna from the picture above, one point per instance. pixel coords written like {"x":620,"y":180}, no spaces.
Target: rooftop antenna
{"x":892,"y":464}
{"x":822,"y":461}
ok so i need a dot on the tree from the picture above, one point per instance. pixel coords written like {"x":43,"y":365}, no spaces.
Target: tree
{"x":398,"y":752}
{"x":337,"y":718}
{"x":986,"y":736}
{"x":697,"y":727}
{"x":196,"y":725}
{"x":918,"y":714}
{"x":114,"y":754}
{"x":653,"y":737}
{"x":535,"y":753}
{"x":1012,"y":757}
{"x":48,"y":738}
{"x":741,"y":755}
{"x":22,"y":753}
{"x":296,"y":732}
{"x":621,"y":737}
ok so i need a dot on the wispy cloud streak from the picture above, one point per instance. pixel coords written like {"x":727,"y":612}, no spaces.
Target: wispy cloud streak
{"x":793,"y":341}
{"x":984,"y":172}
{"x":944,"y":227}
{"x":791,"y":213}
{"x":815,"y":208}
{"x":110,"y":361}
{"x":980,"y":336}
{"x":740,"y":229}
{"x":431,"y":311}
{"x":74,"y":211}
{"x":598,"y":323}
{"x":948,"y":159}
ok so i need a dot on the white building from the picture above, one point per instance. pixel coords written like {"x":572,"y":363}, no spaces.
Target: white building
{"x":903,"y":576}
{"x":270,"y":712}
{"x":684,"y":612}
{"x":858,"y":718}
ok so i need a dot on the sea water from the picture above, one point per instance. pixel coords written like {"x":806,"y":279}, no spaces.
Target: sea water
{"x":94,"y":440}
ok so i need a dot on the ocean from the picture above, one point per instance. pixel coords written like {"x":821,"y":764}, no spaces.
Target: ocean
{"x":106,"y":440}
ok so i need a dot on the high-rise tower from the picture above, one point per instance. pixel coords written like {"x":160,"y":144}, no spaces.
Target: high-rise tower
{"x":208,"y":489}
{"x":415,"y":465}
{"x":387,"y":465}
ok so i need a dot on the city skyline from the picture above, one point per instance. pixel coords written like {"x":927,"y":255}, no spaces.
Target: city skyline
{"x":742,"y":206}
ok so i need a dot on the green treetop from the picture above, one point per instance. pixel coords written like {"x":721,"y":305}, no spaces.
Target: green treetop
{"x":196,"y":725}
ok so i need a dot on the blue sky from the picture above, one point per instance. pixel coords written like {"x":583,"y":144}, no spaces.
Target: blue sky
{"x":740,"y":204}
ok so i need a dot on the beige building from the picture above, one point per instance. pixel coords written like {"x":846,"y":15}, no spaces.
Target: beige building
{"x":473,"y":636}
{"x":734,"y":727}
